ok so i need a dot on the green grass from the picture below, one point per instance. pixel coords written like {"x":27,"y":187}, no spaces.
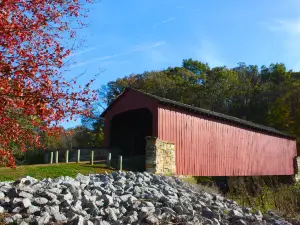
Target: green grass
{"x":52,"y":171}
{"x":190,"y":180}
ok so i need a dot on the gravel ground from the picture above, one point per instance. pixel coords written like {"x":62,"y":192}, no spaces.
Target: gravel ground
{"x":120,"y":198}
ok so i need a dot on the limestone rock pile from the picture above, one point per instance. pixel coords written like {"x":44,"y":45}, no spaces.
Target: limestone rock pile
{"x":120,"y":198}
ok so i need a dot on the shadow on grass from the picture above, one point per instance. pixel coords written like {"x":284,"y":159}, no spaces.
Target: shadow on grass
{"x":102,"y":166}
{"x":134,"y":163}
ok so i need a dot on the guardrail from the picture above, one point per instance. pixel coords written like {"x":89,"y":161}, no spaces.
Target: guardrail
{"x":54,"y":158}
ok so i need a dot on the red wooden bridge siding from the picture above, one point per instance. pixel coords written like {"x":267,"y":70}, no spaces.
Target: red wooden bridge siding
{"x":206,"y":147}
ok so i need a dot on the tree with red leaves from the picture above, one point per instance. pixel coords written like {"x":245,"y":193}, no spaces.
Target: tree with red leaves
{"x":34,"y":95}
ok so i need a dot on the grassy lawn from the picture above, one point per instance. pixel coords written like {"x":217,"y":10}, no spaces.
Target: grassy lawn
{"x":52,"y":171}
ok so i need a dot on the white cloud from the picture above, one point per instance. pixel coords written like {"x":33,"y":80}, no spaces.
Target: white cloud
{"x":158,"y":44}
{"x":156,"y":56}
{"x":289,"y":30}
{"x":208,"y":53}
{"x":168,"y":20}
{"x":82,"y":51}
{"x":143,"y":47}
{"x":164,"y":21}
{"x":154,"y":53}
{"x":137,"y":48}
{"x":93,"y":60}
{"x":291,"y":27}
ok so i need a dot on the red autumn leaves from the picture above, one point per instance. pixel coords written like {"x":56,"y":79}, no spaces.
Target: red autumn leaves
{"x":34,"y":96}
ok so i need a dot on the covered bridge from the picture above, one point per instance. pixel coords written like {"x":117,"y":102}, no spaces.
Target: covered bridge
{"x":199,"y":141}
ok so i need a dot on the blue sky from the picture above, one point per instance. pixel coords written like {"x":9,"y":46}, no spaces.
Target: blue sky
{"x":133,"y":36}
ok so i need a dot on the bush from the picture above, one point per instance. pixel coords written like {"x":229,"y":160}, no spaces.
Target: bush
{"x":29,"y":158}
{"x":267,"y":193}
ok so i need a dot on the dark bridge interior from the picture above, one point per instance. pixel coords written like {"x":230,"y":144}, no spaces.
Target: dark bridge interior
{"x":129,"y":129}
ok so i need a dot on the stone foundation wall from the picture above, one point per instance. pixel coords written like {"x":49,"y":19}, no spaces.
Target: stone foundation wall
{"x":297,"y":169}
{"x":160,"y":156}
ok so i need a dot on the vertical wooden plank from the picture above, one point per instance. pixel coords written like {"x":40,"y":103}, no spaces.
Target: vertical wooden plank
{"x":181,"y":143}
{"x":56,"y":157}
{"x":206,"y":144}
{"x":194,"y":148}
{"x":178,"y":143}
{"x":185,"y":144}
{"x":67,"y":156}
{"x":51,"y":157}
{"x":92,"y":157}
{"x":176,"y":146}
{"x":159,"y":123}
{"x":108,"y":161}
{"x":197,"y":148}
{"x":120,"y":162}
{"x":190,"y":147}
{"x":226,"y":153}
